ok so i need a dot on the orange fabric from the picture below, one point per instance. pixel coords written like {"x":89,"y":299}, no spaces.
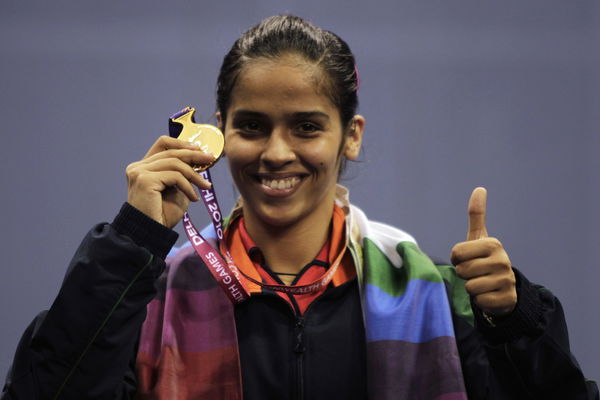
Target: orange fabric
{"x":239,"y":244}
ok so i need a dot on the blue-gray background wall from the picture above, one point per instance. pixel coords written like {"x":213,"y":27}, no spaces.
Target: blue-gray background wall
{"x":456,"y":94}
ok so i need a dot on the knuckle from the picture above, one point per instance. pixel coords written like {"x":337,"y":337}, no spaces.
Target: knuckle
{"x":504,"y":265}
{"x":469,"y":287}
{"x":461,"y":271}
{"x":493,"y":243}
{"x":455,"y":255}
{"x":164,"y":139}
{"x":131,"y":171}
{"x":513,"y":297}
{"x":132,"y":165}
{"x":163,"y":143}
{"x":454,"y":250}
{"x":143,"y":177}
{"x":494,"y":303}
{"x":481,"y":300}
{"x":491,"y":301}
{"x":505,"y":281}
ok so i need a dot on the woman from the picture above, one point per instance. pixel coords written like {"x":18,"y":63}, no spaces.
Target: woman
{"x":381,"y":321}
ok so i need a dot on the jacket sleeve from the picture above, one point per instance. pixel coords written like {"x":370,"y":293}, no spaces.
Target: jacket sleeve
{"x":525,"y":355}
{"x":84,"y":346}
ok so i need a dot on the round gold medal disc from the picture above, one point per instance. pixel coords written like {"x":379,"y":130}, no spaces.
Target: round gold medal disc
{"x":208,"y":138}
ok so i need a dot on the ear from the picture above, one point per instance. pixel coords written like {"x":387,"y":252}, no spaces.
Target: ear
{"x":354,"y":137}
{"x":221,"y":127}
{"x":219,"y":121}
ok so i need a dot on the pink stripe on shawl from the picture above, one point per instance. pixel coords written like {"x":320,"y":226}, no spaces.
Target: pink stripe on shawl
{"x":189,"y":321}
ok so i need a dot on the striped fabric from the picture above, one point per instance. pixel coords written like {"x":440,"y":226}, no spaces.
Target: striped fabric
{"x":188,"y":345}
{"x":411,"y":348}
{"x":410,"y":338}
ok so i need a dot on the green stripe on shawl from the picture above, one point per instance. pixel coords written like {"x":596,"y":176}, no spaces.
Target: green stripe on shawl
{"x":392,"y":280}
{"x":459,"y":298}
{"x":416,"y":265}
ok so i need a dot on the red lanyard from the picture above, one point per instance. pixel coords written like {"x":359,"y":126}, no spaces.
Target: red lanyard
{"x":223,"y":268}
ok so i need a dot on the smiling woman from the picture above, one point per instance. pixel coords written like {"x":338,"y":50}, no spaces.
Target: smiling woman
{"x":285,"y":142}
{"x":336,"y":306}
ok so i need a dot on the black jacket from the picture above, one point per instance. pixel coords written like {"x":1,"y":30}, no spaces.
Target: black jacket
{"x":84,"y":347}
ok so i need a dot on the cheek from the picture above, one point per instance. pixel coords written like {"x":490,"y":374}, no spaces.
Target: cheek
{"x":239,"y":152}
{"x":325,"y":158}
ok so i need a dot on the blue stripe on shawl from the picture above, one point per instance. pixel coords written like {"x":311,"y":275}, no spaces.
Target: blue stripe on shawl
{"x":420,"y":314}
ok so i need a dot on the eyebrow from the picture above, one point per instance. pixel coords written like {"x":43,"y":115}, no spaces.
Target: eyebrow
{"x":296,"y":115}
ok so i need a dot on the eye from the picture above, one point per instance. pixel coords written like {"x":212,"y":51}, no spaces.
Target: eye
{"x":251,"y":126}
{"x":307,"y":128}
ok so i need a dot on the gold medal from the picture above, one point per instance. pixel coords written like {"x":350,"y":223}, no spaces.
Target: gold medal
{"x":207,"y":137}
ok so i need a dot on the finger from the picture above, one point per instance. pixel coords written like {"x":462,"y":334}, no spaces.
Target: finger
{"x":488,"y":283}
{"x":480,"y":285}
{"x":199,"y":181}
{"x":174,"y":178}
{"x":188,"y":156}
{"x":474,"y":269}
{"x":175,"y":164}
{"x":143,"y":175}
{"x":497,"y":265}
{"x":497,"y":302}
{"x":481,"y":248}
{"x":477,"y":210}
{"x":151,"y":182}
{"x":164,"y":143}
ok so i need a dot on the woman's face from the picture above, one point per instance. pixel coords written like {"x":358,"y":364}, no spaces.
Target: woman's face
{"x":284,"y":141}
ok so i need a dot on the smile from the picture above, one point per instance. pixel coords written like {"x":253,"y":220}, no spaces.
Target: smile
{"x":281,"y":183}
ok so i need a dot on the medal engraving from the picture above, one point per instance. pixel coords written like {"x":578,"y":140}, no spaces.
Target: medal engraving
{"x":207,"y":137}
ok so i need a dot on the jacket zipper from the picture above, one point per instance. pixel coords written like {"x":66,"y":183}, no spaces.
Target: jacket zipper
{"x":299,"y":350}
{"x":300,"y":344}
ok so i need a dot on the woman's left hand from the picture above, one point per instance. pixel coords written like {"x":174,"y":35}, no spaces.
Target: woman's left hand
{"x":484,"y":264}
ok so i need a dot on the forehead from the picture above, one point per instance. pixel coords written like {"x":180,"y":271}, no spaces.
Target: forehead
{"x":287,"y":82}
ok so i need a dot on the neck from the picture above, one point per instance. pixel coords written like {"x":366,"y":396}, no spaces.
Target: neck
{"x":288,"y":249}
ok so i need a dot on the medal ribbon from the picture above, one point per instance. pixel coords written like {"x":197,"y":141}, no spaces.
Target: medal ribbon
{"x":224,"y":269}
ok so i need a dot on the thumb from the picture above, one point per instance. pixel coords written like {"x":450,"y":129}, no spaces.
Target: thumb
{"x":476,"y":210}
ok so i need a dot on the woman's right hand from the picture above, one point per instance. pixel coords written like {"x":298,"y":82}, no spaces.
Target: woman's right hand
{"x":161,"y":184}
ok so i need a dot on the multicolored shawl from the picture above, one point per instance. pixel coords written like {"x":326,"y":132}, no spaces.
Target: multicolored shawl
{"x":188,"y":345}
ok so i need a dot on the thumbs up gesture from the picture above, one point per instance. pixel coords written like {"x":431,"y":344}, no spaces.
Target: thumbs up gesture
{"x":484,"y":264}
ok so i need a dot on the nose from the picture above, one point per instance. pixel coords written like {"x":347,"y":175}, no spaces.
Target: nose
{"x":278,"y":150}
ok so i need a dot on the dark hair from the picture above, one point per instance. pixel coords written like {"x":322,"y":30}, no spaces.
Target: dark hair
{"x":284,"y":34}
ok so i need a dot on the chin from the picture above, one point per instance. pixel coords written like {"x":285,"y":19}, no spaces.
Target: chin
{"x":276,"y":216}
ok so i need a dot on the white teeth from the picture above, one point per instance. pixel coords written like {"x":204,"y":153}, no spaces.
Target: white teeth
{"x":280,"y":184}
